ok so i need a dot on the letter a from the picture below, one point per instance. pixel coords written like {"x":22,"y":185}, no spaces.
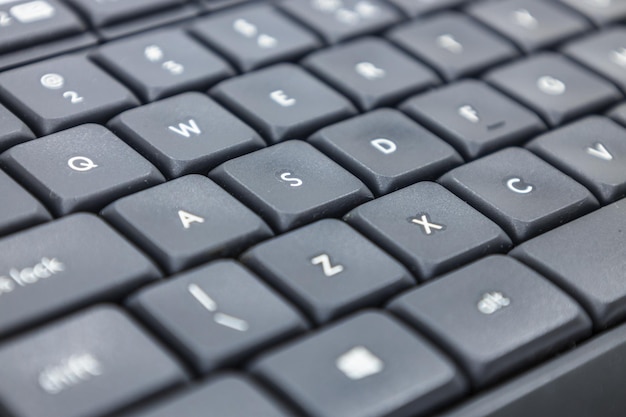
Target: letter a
{"x":188,"y":219}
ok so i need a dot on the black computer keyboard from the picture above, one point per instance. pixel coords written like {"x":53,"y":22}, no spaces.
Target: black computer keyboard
{"x":316,"y":208}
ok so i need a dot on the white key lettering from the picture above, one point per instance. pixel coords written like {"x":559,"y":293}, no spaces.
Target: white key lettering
{"x":187,"y":129}
{"x":328,"y":268}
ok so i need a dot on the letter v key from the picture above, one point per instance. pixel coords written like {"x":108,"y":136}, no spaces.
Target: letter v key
{"x":599,"y":151}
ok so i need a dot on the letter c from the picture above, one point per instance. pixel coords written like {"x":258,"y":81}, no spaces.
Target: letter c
{"x":523,"y":188}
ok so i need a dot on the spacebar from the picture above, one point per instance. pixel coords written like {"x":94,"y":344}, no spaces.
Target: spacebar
{"x":585,"y":382}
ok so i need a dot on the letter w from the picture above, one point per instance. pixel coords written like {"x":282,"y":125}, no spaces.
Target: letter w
{"x":186,"y":129}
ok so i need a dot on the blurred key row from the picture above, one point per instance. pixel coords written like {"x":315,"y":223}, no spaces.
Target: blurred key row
{"x":468,"y":329}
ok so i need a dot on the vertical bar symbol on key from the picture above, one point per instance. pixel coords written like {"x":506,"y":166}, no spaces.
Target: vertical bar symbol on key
{"x":220,"y":318}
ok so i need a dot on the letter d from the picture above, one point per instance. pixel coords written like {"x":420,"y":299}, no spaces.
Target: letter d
{"x":384,"y":145}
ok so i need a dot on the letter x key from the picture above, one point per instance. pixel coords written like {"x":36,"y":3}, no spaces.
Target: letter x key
{"x":428,"y":227}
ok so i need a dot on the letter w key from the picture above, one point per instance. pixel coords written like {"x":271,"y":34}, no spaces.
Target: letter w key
{"x":186,"y":129}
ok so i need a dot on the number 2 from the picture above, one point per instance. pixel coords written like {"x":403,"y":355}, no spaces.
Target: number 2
{"x":73,"y":97}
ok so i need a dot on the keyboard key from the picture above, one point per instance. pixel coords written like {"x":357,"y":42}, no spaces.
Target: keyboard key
{"x":586,"y":257}
{"x":428,"y":228}
{"x":64,"y":265}
{"x":255,"y":36}
{"x":226,"y":396}
{"x":386,"y":150}
{"x":474,"y":117}
{"x":80,"y":169}
{"x":338,"y":20}
{"x":103,"y":13}
{"x":92,"y":363}
{"x":415,"y":8}
{"x":185,"y":134}
{"x":600,"y":12}
{"x":554,"y":87}
{"x":187,"y":221}
{"x":63,"y":92}
{"x":583,"y":382}
{"x":28,"y":23}
{"x":283,"y":102}
{"x":604,"y":53}
{"x":12,"y":130}
{"x":328,"y":269}
{"x":162,"y":64}
{"x":371,"y":72}
{"x":593,"y":151}
{"x":618,"y":113}
{"x":531,"y":24}
{"x":207,"y":315}
{"x":19,"y":209}
{"x":495,"y":323}
{"x":291,"y":184}
{"x":520,"y":192}
{"x":339,"y":371}
{"x":453,"y":44}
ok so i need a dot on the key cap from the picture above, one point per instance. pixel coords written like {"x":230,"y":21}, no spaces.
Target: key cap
{"x":19,"y":209}
{"x":339,"y":371}
{"x":25,"y":23}
{"x":187,"y":221}
{"x":208,"y":316}
{"x":337,"y":21}
{"x":593,"y":151}
{"x":91,"y":363}
{"x":162,"y":64}
{"x":227,"y":395}
{"x":428,"y":228}
{"x":291,"y":184}
{"x":328,"y":269}
{"x":557,"y":89}
{"x":587,"y":258}
{"x":494,"y":323}
{"x":12,"y":130}
{"x":415,"y":8}
{"x":600,"y":12}
{"x":453,"y":44}
{"x":581,"y":383}
{"x":63,"y":92}
{"x":474,"y":117}
{"x":255,"y":36}
{"x":604,"y":53}
{"x":386,"y":150}
{"x":80,"y":169}
{"x":618,"y":113}
{"x":60,"y":266}
{"x":283,"y":102}
{"x":531,"y":24}
{"x":103,"y":13}
{"x":523,"y":194}
{"x":185,"y":134}
{"x":371,"y":72}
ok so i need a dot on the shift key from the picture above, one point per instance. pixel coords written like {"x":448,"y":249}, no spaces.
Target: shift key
{"x":63,"y":265}
{"x":90,"y":364}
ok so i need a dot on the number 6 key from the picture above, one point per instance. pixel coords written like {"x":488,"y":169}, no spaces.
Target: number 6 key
{"x":61,"y":93}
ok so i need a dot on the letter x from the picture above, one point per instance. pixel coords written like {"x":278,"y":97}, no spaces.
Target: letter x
{"x":426,"y":224}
